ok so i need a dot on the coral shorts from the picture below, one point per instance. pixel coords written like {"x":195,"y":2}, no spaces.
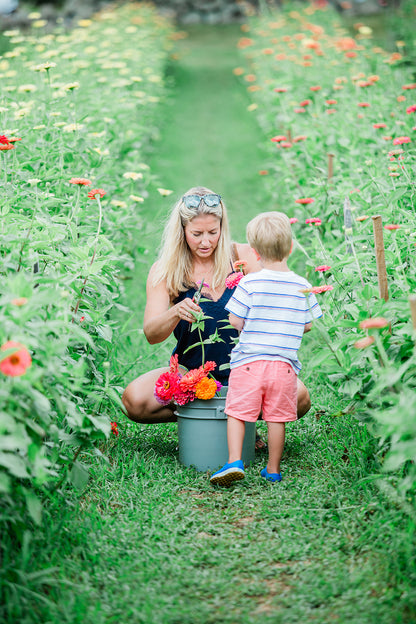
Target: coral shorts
{"x":263,"y":386}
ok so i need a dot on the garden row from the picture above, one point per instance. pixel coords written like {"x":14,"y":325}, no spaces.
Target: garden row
{"x":77,"y":110}
{"x":340,"y":113}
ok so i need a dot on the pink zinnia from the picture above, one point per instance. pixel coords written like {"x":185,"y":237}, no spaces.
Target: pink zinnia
{"x":293,"y":220}
{"x":313,"y":221}
{"x":379,"y":125}
{"x":376,"y":322}
{"x":411,"y":109}
{"x":278,"y":138}
{"x":401,"y":140}
{"x":304,"y":200}
{"x":322,"y":268}
{"x":182,"y":397}
{"x":165,"y":387}
{"x":301,"y":137}
{"x":305,"y":102}
{"x":331,"y":102}
{"x":15,"y":365}
{"x":280,"y":89}
{"x":392,"y":226}
{"x":299,"y":110}
{"x":364,"y":342}
{"x":233,"y":279}
{"x":80,"y":181}
{"x":315,"y":88}
{"x":286,"y":144}
{"x":363,"y":104}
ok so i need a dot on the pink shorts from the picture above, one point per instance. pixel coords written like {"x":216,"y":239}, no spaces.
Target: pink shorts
{"x":263,"y":385}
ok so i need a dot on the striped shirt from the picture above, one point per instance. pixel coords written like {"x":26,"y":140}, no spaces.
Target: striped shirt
{"x":275,"y":312}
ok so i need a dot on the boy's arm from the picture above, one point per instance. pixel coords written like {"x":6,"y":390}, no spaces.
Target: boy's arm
{"x":236,"y":321}
{"x":308,"y":327}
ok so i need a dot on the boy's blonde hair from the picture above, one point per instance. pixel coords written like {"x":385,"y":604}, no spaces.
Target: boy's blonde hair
{"x":175,"y":262}
{"x":270,"y":234}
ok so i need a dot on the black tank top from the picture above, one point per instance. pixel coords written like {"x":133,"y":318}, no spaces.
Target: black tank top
{"x":218,"y":352}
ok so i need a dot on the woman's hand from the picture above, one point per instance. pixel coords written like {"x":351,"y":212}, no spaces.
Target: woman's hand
{"x":160,"y":317}
{"x":186,"y":310}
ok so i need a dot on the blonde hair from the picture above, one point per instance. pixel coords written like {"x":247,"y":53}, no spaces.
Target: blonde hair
{"x":175,"y":261}
{"x":270,"y":234}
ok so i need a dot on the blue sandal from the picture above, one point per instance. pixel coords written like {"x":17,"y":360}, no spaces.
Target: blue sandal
{"x":271,"y":476}
{"x":228,"y":473}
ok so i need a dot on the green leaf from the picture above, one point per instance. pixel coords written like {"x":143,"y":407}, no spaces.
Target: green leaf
{"x":14,"y":464}
{"x":34,"y":506}
{"x":79,"y":475}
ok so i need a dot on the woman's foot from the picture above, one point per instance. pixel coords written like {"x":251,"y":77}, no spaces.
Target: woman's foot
{"x":260,"y":445}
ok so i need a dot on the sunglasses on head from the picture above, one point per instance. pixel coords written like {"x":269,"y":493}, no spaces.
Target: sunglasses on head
{"x":210,"y":199}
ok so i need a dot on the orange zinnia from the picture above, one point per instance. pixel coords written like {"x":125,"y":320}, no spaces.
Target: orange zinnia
{"x":206,"y":389}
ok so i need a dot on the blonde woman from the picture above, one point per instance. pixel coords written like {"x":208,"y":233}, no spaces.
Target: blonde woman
{"x":196,"y":248}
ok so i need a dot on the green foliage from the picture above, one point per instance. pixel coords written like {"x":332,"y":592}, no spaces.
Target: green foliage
{"x":326,"y":93}
{"x":81,"y":110}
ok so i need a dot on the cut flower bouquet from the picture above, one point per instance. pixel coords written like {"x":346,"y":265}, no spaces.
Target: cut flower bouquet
{"x":173,"y":387}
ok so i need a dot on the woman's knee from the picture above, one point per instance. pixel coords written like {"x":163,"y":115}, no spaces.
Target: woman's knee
{"x":135,"y":407}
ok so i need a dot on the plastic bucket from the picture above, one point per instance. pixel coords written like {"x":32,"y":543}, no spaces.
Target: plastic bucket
{"x":202,"y":433}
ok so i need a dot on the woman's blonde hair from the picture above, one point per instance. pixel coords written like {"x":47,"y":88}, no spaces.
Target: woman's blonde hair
{"x":270,"y":234}
{"x":175,"y":262}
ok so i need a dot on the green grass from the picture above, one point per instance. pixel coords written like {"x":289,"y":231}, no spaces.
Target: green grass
{"x":153,"y":542}
{"x":150,"y":541}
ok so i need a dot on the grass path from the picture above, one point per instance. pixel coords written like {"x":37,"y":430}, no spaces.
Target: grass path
{"x":151,"y":542}
{"x":210,"y":138}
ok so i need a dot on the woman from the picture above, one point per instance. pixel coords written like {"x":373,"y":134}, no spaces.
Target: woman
{"x":196,"y":247}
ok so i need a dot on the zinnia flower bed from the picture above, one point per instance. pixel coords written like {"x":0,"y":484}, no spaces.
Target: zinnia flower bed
{"x":353,"y":103}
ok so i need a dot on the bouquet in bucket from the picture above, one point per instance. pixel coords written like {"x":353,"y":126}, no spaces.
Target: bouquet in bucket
{"x":173,"y":387}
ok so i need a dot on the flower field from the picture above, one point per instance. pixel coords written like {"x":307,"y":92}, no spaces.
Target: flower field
{"x":77,"y":111}
{"x":340,"y":112}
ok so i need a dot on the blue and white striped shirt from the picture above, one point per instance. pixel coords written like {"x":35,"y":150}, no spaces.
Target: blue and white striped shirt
{"x":275,"y":312}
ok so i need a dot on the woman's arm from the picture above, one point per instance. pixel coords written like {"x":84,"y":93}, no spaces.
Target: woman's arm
{"x":160,"y":318}
{"x":246,"y":253}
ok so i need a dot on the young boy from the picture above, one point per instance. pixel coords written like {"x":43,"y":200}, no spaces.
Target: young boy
{"x":272,"y":313}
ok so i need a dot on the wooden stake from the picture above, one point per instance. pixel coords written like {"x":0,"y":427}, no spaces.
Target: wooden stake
{"x":412,"y":301}
{"x":330,"y":166}
{"x":380,"y":257}
{"x":289,"y":136}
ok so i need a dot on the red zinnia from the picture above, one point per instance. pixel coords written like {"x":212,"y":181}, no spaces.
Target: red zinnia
{"x":392,"y":226}
{"x":379,"y":125}
{"x":3,"y":139}
{"x":363,"y":104}
{"x":114,"y":428}
{"x":322,"y":268}
{"x":411,"y":109}
{"x":280,"y":89}
{"x":278,"y":138}
{"x":409,"y":86}
{"x":94,"y":192}
{"x":15,"y":364}
{"x":315,"y":88}
{"x":305,"y":102}
{"x":6,"y":146}
{"x":301,"y":137}
{"x":331,"y":102}
{"x":304,"y":200}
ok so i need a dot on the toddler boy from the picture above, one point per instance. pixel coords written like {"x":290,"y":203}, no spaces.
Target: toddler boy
{"x":272,"y":313}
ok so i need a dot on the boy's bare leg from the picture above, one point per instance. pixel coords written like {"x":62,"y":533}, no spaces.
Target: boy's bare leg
{"x":236,"y":430}
{"x":276,"y":443}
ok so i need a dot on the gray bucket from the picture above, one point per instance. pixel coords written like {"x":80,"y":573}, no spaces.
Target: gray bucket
{"x":202,"y":433}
